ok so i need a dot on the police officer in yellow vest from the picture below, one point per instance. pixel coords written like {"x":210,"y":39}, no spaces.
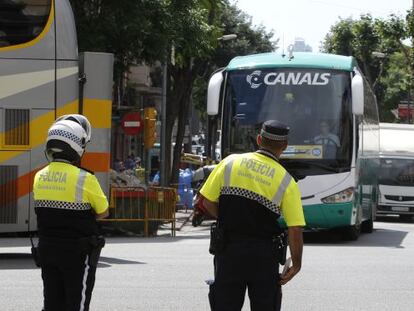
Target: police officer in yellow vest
{"x":68,"y":200}
{"x":248,"y":193}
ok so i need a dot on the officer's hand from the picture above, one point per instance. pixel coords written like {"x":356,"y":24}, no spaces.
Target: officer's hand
{"x":290,"y":273}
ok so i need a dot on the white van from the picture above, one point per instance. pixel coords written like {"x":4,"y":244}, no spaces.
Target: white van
{"x":396,"y":175}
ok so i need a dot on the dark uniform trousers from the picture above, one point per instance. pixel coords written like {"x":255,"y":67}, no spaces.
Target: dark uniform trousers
{"x":245,"y":264}
{"x":68,"y":278}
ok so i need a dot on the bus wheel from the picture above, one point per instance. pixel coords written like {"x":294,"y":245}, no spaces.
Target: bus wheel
{"x":367,"y":226}
{"x":352,"y":233}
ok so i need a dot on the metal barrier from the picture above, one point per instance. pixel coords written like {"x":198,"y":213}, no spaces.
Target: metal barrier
{"x":137,"y":204}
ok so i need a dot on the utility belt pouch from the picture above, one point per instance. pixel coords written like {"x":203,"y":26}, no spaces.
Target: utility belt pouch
{"x":280,"y":245}
{"x":217,"y":242}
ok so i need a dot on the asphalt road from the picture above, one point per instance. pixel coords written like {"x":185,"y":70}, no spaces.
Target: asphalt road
{"x":374,"y":273}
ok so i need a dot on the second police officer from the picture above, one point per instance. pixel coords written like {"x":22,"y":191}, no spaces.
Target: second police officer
{"x":248,"y":193}
{"x":68,"y":200}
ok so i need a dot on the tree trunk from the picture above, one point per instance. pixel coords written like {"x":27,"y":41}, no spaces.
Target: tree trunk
{"x":182,"y":117}
{"x":175,"y":94}
{"x":183,"y":85}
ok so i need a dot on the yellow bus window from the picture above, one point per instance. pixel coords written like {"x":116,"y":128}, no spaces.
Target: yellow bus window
{"x":22,"y":20}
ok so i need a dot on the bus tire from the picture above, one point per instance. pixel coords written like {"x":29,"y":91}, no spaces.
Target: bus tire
{"x":367,"y":226}
{"x":352,"y":233}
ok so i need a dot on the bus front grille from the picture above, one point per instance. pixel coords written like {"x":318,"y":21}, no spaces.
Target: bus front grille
{"x":8,"y":194}
{"x":400,"y":198}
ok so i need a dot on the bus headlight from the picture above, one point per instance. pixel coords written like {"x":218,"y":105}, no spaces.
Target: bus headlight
{"x":344,"y":196}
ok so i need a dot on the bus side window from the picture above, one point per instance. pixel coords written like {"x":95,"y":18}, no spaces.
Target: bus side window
{"x":22,"y":21}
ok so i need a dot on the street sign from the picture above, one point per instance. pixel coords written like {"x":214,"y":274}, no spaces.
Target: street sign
{"x":131,"y":123}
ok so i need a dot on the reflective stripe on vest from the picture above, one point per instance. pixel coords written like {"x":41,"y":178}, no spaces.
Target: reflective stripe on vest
{"x":227,"y":173}
{"x":277,"y":198}
{"x":74,"y":206}
{"x":79,"y":186}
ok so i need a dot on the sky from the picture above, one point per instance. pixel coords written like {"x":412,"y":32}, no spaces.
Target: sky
{"x":312,"y":19}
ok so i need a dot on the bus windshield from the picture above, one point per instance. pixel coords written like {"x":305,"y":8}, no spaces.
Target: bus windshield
{"x":396,"y":172}
{"x":315,"y":104}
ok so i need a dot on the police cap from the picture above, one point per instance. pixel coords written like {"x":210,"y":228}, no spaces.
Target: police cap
{"x":274,"y":130}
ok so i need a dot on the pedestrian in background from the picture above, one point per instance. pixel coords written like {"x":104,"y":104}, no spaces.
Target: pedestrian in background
{"x":130,"y":162}
{"x":248,"y":193}
{"x":68,"y":199}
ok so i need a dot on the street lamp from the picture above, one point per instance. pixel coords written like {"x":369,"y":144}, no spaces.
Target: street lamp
{"x":228,"y":37}
{"x":379,"y":54}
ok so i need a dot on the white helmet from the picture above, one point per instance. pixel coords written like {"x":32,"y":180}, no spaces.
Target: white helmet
{"x":66,"y":139}
{"x":80,"y":119}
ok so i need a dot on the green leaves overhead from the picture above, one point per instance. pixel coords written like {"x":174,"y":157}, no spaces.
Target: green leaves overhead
{"x":182,"y":32}
{"x":389,"y":76}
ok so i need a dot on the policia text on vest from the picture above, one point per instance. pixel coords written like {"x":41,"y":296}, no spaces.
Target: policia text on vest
{"x":248,"y":193}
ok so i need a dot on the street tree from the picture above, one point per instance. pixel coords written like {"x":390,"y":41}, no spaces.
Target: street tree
{"x":358,"y":38}
{"x":396,"y":84}
{"x":192,"y":42}
{"x":366,"y":35}
{"x":196,"y":58}
{"x":250,"y":40}
{"x":397,"y":35}
{"x":182,"y":33}
{"x":134,"y":31}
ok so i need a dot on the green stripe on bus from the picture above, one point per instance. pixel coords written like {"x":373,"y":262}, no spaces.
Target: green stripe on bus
{"x":326,"y":216}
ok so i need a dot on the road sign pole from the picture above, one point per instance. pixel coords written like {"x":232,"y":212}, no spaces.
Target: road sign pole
{"x":163,"y":171}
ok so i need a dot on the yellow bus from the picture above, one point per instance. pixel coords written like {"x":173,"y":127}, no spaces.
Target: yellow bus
{"x":42,"y":76}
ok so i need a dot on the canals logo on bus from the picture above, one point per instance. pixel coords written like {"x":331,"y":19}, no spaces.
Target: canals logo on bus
{"x":287,"y":78}
{"x":254,"y":78}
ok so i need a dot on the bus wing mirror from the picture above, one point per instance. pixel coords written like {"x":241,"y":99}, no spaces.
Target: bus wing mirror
{"x":213,"y":93}
{"x":357,"y":95}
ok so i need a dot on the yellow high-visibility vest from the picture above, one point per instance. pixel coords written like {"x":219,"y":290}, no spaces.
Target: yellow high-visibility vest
{"x":259,"y":177}
{"x":64,"y":186}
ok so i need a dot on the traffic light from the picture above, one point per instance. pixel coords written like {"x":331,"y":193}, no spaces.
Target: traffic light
{"x":150,"y":133}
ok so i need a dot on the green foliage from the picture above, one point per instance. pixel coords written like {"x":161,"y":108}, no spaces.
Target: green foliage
{"x":198,"y":52}
{"x":391,"y":31}
{"x":340,"y":38}
{"x":250,"y":40}
{"x":192,"y":36}
{"x":182,"y":33}
{"x":389,"y":76}
{"x":358,"y":38}
{"x":396,"y":83}
{"x":135,"y":31}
